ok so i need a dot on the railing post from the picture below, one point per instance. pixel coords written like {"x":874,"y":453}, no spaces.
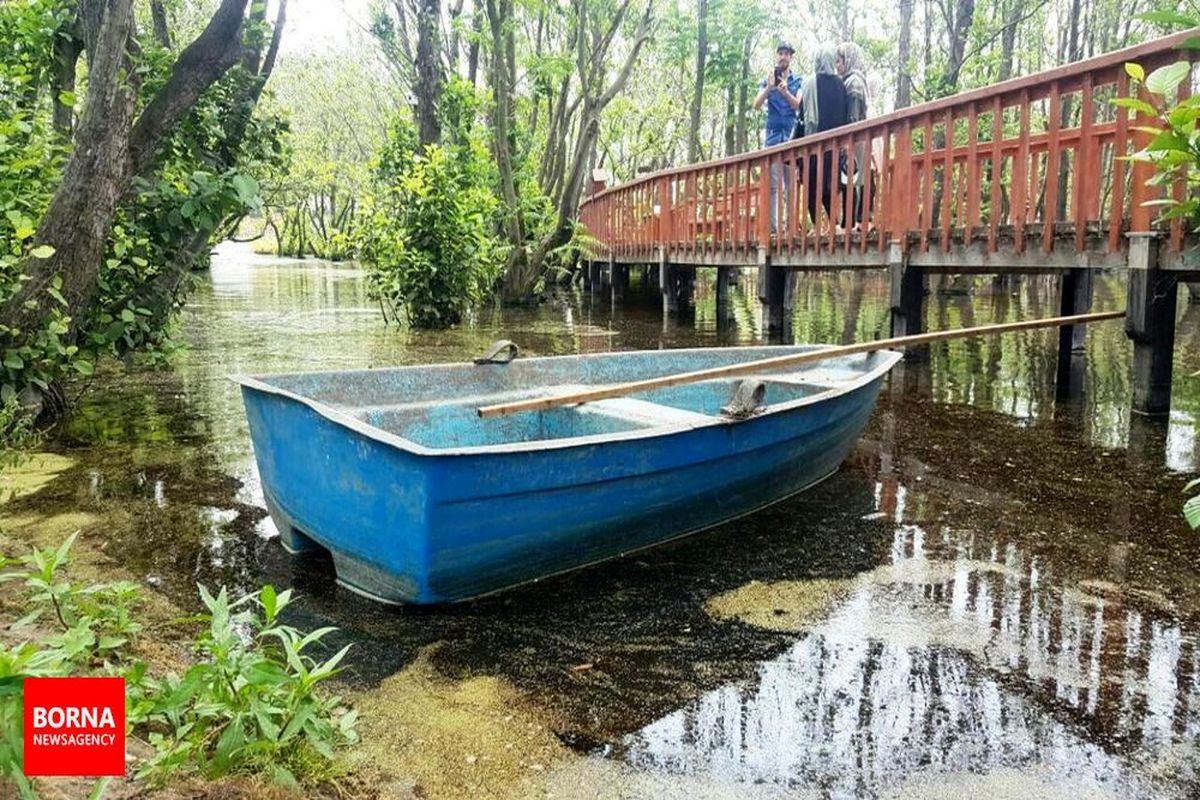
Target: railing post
{"x":665,"y":218}
{"x":1141,"y":192}
{"x":764,"y":203}
{"x":902,"y":200}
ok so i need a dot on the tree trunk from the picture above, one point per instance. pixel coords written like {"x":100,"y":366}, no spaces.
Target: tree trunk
{"x":162,"y":32}
{"x":730,"y":114}
{"x":743,"y":103}
{"x":110,"y":150}
{"x":527,"y":266}
{"x":1008,"y":37}
{"x":698,"y":85}
{"x":964,"y":16}
{"x":904,"y":56}
{"x":498,"y":17}
{"x":68,"y":47}
{"x":473,"y":50}
{"x":429,"y":72}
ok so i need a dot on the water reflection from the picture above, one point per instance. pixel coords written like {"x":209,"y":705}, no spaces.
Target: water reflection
{"x":966,"y":665}
{"x":1007,"y":628}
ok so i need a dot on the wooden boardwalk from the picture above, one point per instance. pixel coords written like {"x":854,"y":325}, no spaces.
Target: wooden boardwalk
{"x":1026,"y":175}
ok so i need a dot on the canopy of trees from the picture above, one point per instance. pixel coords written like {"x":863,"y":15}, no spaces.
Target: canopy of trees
{"x":128,"y":149}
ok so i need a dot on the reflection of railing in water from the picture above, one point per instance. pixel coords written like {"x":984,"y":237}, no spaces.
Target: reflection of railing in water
{"x":916,"y":669}
{"x":965,"y":168}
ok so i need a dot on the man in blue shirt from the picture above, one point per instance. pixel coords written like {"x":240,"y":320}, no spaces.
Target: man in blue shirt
{"x":780,"y":90}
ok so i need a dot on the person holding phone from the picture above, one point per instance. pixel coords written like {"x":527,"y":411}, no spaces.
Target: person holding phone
{"x":780,"y":91}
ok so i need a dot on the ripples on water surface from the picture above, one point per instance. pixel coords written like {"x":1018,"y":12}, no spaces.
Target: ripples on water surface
{"x":1009,"y":600}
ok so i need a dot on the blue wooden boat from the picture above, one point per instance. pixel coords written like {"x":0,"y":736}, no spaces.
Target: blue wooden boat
{"x":419,"y":500}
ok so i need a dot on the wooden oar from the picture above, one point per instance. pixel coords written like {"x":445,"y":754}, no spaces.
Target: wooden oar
{"x":795,"y":359}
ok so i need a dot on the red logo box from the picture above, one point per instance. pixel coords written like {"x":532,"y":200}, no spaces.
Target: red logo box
{"x":75,"y":726}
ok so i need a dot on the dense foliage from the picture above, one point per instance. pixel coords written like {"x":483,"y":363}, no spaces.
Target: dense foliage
{"x":202,"y":181}
{"x":429,"y":234}
{"x":250,"y":705}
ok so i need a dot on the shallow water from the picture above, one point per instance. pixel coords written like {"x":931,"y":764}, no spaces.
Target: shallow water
{"x":1008,"y":597}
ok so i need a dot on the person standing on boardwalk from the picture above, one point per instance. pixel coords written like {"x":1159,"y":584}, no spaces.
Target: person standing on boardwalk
{"x":780,"y":91}
{"x":858,"y":100}
{"x":822,"y":108}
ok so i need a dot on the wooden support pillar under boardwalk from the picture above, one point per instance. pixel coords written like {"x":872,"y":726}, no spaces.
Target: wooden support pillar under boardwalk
{"x":677,"y":281}
{"x":907,"y":299}
{"x":1150,"y":324}
{"x":772,"y":283}
{"x":620,"y":281}
{"x":725,"y":281}
{"x":1075,"y":297}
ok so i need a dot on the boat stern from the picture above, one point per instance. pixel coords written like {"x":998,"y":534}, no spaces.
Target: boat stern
{"x":328,"y":487}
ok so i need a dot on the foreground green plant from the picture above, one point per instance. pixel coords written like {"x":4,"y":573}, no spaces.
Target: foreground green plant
{"x":17,"y":434}
{"x":69,"y":629}
{"x":1174,"y":149}
{"x":251,"y":705}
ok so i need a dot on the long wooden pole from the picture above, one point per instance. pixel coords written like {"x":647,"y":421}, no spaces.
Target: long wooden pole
{"x":795,"y":359}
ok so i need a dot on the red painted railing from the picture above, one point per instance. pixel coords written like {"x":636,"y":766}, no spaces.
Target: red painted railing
{"x":968,"y":168}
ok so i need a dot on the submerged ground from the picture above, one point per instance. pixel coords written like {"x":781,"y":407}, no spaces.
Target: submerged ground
{"x":996,"y":596}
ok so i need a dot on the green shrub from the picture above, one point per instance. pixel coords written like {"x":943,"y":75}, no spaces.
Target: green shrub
{"x":72,"y":630}
{"x":17,"y":434}
{"x":251,"y":705}
{"x":429,"y":239}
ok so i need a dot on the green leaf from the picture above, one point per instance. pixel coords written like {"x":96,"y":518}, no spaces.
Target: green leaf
{"x":1165,"y":80}
{"x":268,"y":599}
{"x":13,"y":361}
{"x":1170,"y":18}
{"x":1183,"y":115}
{"x":1135,"y":71}
{"x":12,"y":685}
{"x":42,"y":251}
{"x":282,"y":776}
{"x":1191,"y":512}
{"x":246,"y":188}
{"x":1136,"y":104}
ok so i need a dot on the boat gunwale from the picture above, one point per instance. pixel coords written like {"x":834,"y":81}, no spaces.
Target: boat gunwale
{"x":336,"y":415}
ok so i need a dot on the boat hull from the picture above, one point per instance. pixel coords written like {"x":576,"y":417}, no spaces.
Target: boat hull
{"x":411,"y":527}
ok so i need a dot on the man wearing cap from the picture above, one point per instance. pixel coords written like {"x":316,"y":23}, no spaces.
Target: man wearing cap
{"x":780,"y":90}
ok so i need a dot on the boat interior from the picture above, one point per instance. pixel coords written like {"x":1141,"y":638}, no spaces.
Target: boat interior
{"x":436,"y":406}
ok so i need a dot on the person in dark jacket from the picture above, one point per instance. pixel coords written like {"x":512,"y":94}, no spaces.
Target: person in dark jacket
{"x":853,"y":70}
{"x":822,"y":108}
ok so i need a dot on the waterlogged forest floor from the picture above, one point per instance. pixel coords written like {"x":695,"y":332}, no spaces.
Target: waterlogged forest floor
{"x":995,"y":596}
